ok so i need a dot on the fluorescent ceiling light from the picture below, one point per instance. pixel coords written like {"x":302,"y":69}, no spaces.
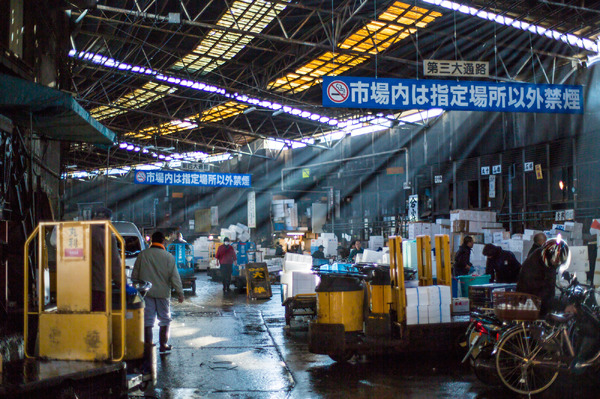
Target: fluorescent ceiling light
{"x":248,"y":110}
{"x":568,"y":38}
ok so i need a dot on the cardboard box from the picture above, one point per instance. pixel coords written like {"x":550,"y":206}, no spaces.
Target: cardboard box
{"x":460,"y":226}
{"x":579,"y":259}
{"x":460,"y":305}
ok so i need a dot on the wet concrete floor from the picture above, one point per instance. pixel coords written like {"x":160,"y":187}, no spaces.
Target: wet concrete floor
{"x":228,"y":346}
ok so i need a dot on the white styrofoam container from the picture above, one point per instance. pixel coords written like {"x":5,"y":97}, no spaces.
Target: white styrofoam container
{"x":579,"y":259}
{"x":438,"y":313}
{"x":418,"y":296}
{"x":439,"y":294}
{"x":416,"y":315}
{"x":299,"y":282}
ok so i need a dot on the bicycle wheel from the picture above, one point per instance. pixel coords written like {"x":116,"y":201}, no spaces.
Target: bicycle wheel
{"x":517,"y":357}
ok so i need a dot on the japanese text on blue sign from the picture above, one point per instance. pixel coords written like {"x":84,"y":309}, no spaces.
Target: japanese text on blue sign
{"x":173,"y":178}
{"x":353,"y":92}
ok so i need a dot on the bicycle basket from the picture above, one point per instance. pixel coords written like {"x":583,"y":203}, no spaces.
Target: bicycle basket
{"x":516,"y":306}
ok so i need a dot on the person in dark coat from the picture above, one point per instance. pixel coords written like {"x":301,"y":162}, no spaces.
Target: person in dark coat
{"x":501,"y":265}
{"x":462,"y":259}
{"x":226,"y":257}
{"x":538,"y":241}
{"x":318,"y":254}
{"x":538,"y":274}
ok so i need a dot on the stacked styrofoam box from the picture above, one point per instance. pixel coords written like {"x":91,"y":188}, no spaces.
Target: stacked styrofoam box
{"x":520,"y":248}
{"x":425,"y":305}
{"x":409,"y":253}
{"x":414,"y":230}
{"x":201,"y":252}
{"x":297,"y":275}
{"x":375,"y":242}
{"x":580,"y":263}
{"x":488,"y":234}
{"x":477,"y":258}
{"x":476,"y":216}
{"x":417,"y":303}
{"x":369,"y":256}
{"x":576,"y":230}
{"x":440,"y":297}
{"x":330,"y":242}
{"x":500,"y":236}
{"x":231,"y":234}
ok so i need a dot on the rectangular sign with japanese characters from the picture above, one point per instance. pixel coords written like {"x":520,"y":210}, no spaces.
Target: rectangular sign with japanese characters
{"x":353,"y":92}
{"x":175,"y":178}
{"x":477,"y":69}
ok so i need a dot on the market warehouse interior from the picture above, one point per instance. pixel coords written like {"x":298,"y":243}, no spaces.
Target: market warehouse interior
{"x":287,"y":126}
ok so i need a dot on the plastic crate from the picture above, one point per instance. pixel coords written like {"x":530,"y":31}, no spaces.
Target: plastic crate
{"x":516,"y":306}
{"x":482,"y":296}
{"x":467,"y":281}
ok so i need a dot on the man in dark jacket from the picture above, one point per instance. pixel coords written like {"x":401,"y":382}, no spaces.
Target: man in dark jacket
{"x":462,"y":259}
{"x":538,"y":241}
{"x":501,"y":265}
{"x":318,"y":254}
{"x":226,"y":256}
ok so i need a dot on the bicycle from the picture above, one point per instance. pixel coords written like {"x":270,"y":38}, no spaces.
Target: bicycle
{"x":530,"y":355}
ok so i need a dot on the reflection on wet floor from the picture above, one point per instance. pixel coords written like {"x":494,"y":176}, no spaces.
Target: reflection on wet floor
{"x":227,"y":346}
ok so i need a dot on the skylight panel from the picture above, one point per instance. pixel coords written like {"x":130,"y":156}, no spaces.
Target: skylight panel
{"x":243,"y":15}
{"x":375,"y":37}
{"x":137,"y":99}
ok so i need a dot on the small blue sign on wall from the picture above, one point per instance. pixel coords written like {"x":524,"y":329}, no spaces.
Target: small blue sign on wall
{"x":355,"y":92}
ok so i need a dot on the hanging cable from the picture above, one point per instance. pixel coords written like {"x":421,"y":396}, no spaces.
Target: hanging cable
{"x":375,"y":42}
{"x":332,"y":39}
{"x":417,"y":46}
{"x":532,"y":60}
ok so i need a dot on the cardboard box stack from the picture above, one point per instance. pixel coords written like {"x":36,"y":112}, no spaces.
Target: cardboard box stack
{"x":426,"y":229}
{"x":466,"y":221}
{"x":428,"y":305}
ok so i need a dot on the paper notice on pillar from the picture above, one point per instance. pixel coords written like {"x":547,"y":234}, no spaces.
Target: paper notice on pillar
{"x":492,"y":191}
{"x":251,"y":210}
{"x":214,"y":215}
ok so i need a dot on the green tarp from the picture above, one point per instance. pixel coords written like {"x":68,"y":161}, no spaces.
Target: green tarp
{"x":53,"y":114}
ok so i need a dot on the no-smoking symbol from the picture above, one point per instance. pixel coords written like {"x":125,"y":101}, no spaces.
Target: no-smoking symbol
{"x":338,"y":91}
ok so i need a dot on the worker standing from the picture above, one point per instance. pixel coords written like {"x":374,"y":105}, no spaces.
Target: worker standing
{"x":462,"y":259}
{"x":356,"y":249}
{"x":226,"y":256}
{"x":157,"y":266}
{"x":502,"y":266}
{"x":319,"y":254}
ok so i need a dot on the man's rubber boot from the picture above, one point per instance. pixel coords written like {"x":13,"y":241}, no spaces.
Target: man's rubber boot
{"x":148,"y":335}
{"x":163,"y":336}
